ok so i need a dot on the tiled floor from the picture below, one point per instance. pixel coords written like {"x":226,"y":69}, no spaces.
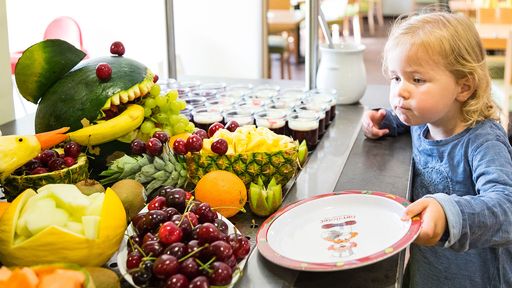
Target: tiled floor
{"x":372,"y":56}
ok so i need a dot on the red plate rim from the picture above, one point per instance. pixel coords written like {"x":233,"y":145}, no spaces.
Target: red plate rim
{"x":273,"y":256}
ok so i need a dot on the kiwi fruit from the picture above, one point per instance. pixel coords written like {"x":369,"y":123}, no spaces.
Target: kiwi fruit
{"x":90,"y":186}
{"x":103,"y":277}
{"x":131,"y":193}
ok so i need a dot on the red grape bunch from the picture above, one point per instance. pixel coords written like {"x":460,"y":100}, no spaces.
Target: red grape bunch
{"x":180,"y":242}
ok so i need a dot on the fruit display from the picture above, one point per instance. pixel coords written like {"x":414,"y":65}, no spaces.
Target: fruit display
{"x":46,"y":276}
{"x":60,"y":224}
{"x":183,"y":242}
{"x":63,"y":165}
{"x":107,"y":101}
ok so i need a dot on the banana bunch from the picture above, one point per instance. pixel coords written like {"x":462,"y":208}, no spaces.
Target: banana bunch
{"x":152,"y":171}
{"x":110,"y":130}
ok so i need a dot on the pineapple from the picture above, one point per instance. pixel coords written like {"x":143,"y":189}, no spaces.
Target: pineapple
{"x":14,"y":184}
{"x":252,"y":153}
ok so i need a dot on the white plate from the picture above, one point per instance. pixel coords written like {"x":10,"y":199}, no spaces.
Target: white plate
{"x":337,"y":231}
{"x":122,"y":254}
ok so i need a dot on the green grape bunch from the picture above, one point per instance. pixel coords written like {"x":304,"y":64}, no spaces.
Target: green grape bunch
{"x":162,"y":113}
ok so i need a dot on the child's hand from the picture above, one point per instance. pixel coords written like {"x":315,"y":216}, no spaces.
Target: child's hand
{"x":371,"y":122}
{"x":433,"y":220}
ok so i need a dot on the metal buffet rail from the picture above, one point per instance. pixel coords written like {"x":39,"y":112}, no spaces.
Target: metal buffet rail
{"x":343,"y":160}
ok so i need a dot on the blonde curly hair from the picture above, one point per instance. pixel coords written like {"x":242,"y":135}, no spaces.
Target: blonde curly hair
{"x":451,"y":41}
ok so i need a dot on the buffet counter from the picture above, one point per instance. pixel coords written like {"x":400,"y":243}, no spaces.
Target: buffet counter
{"x":343,"y":160}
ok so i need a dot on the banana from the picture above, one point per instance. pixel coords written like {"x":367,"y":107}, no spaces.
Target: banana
{"x":107,"y":131}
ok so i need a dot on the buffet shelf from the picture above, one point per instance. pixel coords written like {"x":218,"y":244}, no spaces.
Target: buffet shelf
{"x":343,"y":160}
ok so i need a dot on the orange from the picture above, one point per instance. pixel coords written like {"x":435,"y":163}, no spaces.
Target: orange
{"x":3,"y":207}
{"x":183,"y":136}
{"x":223,"y":190}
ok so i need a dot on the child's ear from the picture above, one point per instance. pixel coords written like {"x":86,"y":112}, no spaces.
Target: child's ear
{"x":466,"y":88}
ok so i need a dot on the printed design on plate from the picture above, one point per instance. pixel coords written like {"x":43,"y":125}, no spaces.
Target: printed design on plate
{"x":339,"y":231}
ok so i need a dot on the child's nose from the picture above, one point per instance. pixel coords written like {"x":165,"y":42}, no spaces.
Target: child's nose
{"x":403,"y":89}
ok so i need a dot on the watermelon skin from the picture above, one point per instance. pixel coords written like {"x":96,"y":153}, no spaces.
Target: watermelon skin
{"x":80,"y":94}
{"x":42,"y":65}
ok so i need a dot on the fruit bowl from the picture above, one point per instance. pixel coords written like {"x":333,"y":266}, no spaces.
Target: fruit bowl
{"x":122,"y":254}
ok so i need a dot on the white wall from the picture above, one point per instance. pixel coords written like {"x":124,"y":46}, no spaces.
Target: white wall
{"x":220,"y":38}
{"x":140,"y":25}
{"x":396,"y":7}
{"x":7,"y":106}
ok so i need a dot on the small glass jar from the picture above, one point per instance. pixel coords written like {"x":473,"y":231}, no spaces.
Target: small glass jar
{"x":273,"y":120}
{"x":304,"y":126}
{"x":241,"y":116}
{"x":195,"y":102}
{"x":220,"y":104}
{"x":208,"y":94}
{"x":204,"y":117}
{"x":321,"y":109}
{"x":325,"y":96}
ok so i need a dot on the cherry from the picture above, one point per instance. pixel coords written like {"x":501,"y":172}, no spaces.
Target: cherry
{"x":180,"y":146}
{"x":190,"y":268}
{"x":213,"y":128}
{"x":32,"y":164}
{"x":152,"y":247}
{"x":194,"y":143}
{"x":149,"y":237}
{"x":221,"y":273}
{"x":72,"y":149}
{"x":39,"y":170}
{"x":169,"y":233}
{"x":103,"y":71}
{"x":69,"y":161}
{"x":162,"y":136}
{"x":56,"y":164}
{"x":221,"y":225}
{"x":208,"y":233}
{"x":232,"y":125}
{"x":199,"y":282}
{"x":176,"y":198}
{"x":154,"y":147}
{"x":240,"y":244}
{"x":155,"y":78}
{"x":221,"y":250}
{"x":231,"y":261}
{"x":201,"y":133}
{"x":137,"y":147}
{"x":165,"y":266}
{"x":177,"y":281}
{"x":178,"y":250}
{"x":171,"y":211}
{"x":133,"y":260}
{"x":135,"y":219}
{"x":220,"y":146}
{"x":141,"y":277}
{"x":117,"y":48}
{"x":158,"y":203}
{"x":47,"y":155}
{"x":192,"y":218}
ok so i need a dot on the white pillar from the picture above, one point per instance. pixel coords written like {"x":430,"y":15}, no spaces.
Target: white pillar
{"x":6,"y":100}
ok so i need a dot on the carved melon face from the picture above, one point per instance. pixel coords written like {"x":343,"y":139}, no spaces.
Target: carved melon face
{"x":80,"y":95}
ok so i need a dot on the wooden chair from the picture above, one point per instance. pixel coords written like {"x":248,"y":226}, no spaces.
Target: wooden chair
{"x":372,"y":9}
{"x":280,"y":44}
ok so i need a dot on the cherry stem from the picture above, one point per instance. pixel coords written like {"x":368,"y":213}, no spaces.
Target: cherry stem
{"x":192,"y":253}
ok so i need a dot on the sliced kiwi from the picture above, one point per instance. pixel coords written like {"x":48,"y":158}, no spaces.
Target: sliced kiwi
{"x":103,"y":277}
